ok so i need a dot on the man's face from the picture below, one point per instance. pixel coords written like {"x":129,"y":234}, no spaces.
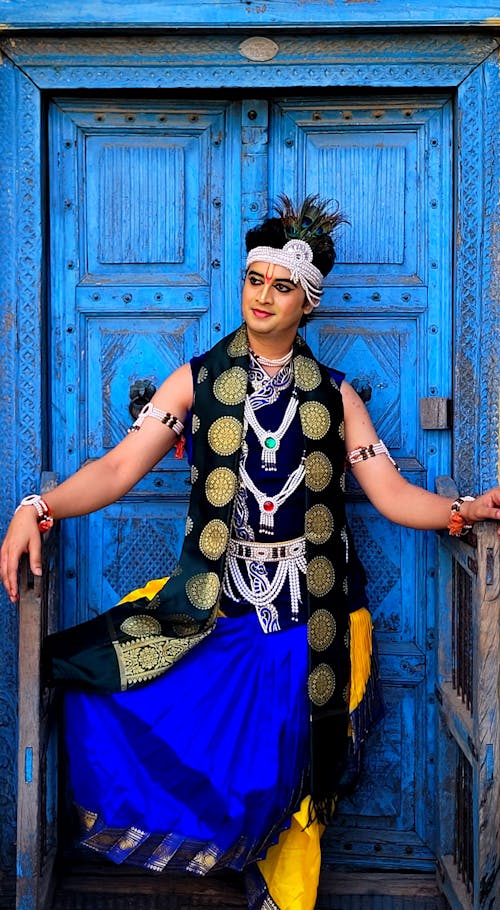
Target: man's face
{"x":272,"y":304}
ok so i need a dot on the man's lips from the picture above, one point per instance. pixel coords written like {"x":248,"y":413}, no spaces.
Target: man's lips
{"x":260,"y":313}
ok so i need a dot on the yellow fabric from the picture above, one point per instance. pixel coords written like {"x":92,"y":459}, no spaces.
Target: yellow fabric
{"x":360,"y":626}
{"x":148,"y":590}
{"x":291,"y":867}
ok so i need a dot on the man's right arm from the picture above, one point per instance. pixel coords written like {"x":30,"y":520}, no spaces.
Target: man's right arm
{"x":100,"y":482}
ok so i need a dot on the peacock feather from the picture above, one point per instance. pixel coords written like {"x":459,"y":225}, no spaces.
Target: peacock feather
{"x":313,"y":221}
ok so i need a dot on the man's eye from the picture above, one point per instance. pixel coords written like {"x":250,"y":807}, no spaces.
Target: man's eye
{"x":283,"y":288}
{"x":254,"y":280}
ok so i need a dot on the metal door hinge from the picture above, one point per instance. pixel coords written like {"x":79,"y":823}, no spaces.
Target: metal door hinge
{"x":436,"y":413}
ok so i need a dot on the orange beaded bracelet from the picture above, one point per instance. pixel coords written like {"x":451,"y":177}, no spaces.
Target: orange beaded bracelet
{"x":457,"y":525}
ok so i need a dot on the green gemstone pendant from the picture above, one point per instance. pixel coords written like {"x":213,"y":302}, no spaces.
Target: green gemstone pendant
{"x":270,"y":442}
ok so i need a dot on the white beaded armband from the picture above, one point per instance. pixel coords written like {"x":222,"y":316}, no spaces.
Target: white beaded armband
{"x":149,"y":410}
{"x":355,"y":456}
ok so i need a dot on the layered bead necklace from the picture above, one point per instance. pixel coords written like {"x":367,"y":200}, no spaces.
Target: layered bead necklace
{"x":270,"y":439}
{"x":259,"y":588}
{"x":269,"y":505}
{"x":273,"y":361}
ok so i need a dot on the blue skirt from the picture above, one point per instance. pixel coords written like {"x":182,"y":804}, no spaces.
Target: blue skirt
{"x":203,"y":767}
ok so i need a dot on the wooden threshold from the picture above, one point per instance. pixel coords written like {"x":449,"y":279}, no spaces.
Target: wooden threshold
{"x":95,"y":886}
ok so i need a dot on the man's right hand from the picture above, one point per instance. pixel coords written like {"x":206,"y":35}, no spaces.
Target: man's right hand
{"x":22,"y":536}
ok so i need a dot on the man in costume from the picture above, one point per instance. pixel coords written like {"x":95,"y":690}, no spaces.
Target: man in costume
{"x":234,"y":756}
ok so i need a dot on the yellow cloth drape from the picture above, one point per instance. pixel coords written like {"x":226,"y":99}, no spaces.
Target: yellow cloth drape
{"x":149,"y":590}
{"x":291,"y":867}
{"x":360,"y":629}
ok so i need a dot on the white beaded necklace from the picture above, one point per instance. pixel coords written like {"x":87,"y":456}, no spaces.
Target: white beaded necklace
{"x":274,"y":361}
{"x":270,"y":439}
{"x":269,"y":505}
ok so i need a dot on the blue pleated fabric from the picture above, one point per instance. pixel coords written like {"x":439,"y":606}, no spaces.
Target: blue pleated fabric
{"x":203,"y":767}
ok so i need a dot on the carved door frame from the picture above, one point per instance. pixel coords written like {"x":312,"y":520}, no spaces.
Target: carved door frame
{"x":35,"y":68}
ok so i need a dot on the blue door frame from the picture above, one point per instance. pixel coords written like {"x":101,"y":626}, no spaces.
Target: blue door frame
{"x":33,"y":68}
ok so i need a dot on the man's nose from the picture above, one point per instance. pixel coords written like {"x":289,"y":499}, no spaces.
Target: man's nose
{"x":264,"y":294}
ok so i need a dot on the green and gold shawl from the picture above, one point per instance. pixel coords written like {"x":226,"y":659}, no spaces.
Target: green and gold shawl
{"x":135,"y":642}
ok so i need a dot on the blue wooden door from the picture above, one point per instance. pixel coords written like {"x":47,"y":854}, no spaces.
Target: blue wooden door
{"x":146,"y":201}
{"x":385,"y":320}
{"x":137,"y":242}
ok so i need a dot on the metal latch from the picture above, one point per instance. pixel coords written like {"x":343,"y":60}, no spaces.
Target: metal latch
{"x":436,"y":413}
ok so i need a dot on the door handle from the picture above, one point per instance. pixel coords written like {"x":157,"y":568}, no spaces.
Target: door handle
{"x":141,"y":391}
{"x":363,"y":388}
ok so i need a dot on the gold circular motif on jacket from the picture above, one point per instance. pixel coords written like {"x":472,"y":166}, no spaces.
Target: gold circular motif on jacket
{"x":320,"y":576}
{"x":189,"y":525}
{"x":238,"y":347}
{"x":321,"y":684}
{"x":220,"y":486}
{"x":203,"y":590}
{"x":342,"y":482}
{"x":315,"y":419}
{"x":345,"y":586}
{"x":318,"y":524}
{"x":224,"y":435}
{"x":213,"y":539}
{"x":140,"y":626}
{"x":347,"y":638}
{"x":321,"y":630}
{"x":231,"y":386}
{"x":342,"y":430}
{"x":202,"y":374}
{"x":318,"y":471}
{"x":194,"y":473}
{"x":307,"y":373}
{"x":195,"y":423}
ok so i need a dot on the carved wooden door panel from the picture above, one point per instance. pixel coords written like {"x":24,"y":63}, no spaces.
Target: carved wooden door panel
{"x":385,"y":319}
{"x":138,"y":232}
{"x":468,"y":693}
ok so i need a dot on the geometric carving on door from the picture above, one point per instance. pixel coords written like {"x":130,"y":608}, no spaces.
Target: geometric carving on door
{"x":382,"y":573}
{"x":137,"y":186}
{"x":379,"y":790}
{"x":372,"y":355}
{"x":145,"y":550}
{"x":126,"y":355}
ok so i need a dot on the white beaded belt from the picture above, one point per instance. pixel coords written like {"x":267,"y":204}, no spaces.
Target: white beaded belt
{"x":267,"y":552}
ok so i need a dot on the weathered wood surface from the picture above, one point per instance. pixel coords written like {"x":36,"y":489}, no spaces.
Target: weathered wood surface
{"x":36,"y":842}
{"x":328,"y":59}
{"x":474,"y":730}
{"x":253,"y":14}
{"x":92,"y":886}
